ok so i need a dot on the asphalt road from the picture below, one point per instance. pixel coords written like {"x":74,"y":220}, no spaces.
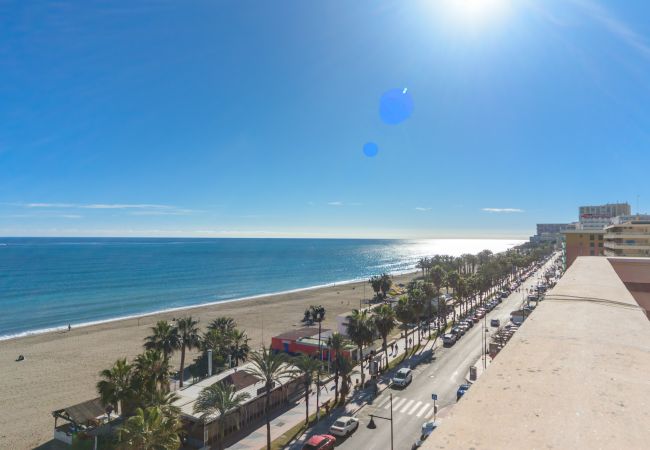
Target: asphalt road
{"x":413,"y":405}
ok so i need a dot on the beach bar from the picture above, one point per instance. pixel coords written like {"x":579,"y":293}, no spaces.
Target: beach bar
{"x":203,"y":432}
{"x":86,"y":419}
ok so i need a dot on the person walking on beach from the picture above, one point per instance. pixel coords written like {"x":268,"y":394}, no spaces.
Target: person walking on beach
{"x":69,"y":327}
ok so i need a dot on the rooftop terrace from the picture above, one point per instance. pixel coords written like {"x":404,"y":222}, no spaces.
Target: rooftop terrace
{"x":576,"y":375}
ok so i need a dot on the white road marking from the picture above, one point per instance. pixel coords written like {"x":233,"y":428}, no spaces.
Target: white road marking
{"x":407,"y":406}
{"x":381,"y":405}
{"x":396,"y":404}
{"x":429,"y":414}
{"x":416,"y":406}
{"x":424,"y":408}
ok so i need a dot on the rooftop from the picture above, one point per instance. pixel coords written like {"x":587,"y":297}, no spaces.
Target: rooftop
{"x":237,"y":376}
{"x":575,"y":375}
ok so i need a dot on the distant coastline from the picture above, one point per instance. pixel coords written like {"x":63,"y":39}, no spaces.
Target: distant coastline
{"x":189,"y":308}
{"x":53,"y":282}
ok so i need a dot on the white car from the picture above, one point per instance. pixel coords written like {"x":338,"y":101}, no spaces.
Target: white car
{"x":344,"y":426}
{"x":403,"y":377}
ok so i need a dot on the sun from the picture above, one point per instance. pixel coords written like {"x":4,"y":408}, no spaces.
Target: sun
{"x":475,"y":11}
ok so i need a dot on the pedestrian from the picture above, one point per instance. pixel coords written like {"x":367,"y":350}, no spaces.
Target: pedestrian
{"x":69,"y":327}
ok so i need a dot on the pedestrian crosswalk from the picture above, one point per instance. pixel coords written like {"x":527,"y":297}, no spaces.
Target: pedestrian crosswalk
{"x":411,"y":407}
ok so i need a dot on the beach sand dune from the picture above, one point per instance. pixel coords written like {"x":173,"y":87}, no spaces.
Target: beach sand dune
{"x":61,"y":368}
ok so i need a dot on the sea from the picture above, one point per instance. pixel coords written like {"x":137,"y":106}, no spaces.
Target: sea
{"x":48,"y":283}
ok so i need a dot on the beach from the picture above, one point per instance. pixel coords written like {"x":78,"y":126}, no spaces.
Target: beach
{"x":61,"y":368}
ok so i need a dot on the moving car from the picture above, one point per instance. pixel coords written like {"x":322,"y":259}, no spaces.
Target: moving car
{"x":461,"y":390}
{"x":344,"y":426}
{"x":403,"y":377}
{"x":320,"y":442}
{"x":495,"y":322}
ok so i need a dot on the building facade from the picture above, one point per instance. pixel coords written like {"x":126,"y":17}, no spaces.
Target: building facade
{"x":583,"y":243}
{"x":630,"y":238}
{"x":598,"y":217}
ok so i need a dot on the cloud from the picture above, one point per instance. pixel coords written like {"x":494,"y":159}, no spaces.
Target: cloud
{"x":124,"y":206}
{"x":98,"y":205}
{"x":420,"y":208}
{"x":335,"y":203}
{"x":502,"y":210}
{"x":50,"y":205}
{"x":615,"y":26}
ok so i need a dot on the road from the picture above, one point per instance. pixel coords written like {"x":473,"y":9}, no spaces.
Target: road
{"x":413,"y":406}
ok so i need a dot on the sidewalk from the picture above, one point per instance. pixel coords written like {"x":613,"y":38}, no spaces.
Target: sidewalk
{"x":357,"y":400}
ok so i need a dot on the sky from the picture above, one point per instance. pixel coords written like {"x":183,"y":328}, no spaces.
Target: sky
{"x":248,"y":118}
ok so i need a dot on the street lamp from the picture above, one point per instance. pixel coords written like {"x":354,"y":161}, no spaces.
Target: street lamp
{"x":372,"y":424}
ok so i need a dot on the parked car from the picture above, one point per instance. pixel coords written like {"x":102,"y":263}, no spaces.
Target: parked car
{"x":476,"y":318}
{"x":458,"y":331}
{"x":403,"y":377}
{"x":495,"y":322}
{"x":461,"y":390}
{"x":469,"y":322}
{"x":344,"y":426}
{"x":320,"y":442}
{"x":449,"y":339}
{"x":427,"y":429}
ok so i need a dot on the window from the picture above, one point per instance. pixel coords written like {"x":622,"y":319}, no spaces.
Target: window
{"x":591,"y":237}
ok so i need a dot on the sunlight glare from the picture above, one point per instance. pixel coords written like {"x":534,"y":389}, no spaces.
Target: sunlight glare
{"x":475,"y":11}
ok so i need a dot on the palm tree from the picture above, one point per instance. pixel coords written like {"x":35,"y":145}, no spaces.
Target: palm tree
{"x":150,"y":429}
{"x":153,"y":370}
{"x":189,"y":338}
{"x":360,"y":330}
{"x":318,"y":315}
{"x":239,"y":346}
{"x":336,"y":344}
{"x":453,"y":279}
{"x":438,"y":275}
{"x":404,"y":313}
{"x":375,"y":282}
{"x":346,"y":370}
{"x":385,"y":323}
{"x":220,"y":398}
{"x":309,"y":368}
{"x":416,"y":299}
{"x":115,"y":387}
{"x":164,"y":401}
{"x":386,"y":283}
{"x":270,"y":368}
{"x":224,"y":324}
{"x":164,"y":337}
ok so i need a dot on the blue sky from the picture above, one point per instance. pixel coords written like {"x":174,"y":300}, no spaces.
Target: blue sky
{"x":248,"y":118}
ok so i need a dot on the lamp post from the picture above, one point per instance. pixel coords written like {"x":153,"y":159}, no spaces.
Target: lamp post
{"x":372,"y":424}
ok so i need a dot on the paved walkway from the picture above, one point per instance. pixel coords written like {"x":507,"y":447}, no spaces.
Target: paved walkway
{"x":296,"y":415}
{"x":358,"y":399}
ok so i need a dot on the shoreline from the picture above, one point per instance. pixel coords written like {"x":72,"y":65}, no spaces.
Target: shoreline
{"x":64,"y":328}
{"x":62,"y":368}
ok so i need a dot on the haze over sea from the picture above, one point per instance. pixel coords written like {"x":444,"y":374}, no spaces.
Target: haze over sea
{"x":47,"y":283}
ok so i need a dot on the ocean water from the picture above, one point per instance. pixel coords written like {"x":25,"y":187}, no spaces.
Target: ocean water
{"x":46,"y":283}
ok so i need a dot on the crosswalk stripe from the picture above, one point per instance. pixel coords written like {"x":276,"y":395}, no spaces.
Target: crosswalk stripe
{"x":407,"y":406}
{"x":416,"y":406}
{"x":383,"y":402}
{"x":398,"y":404}
{"x":424,"y":408}
{"x":429,"y":414}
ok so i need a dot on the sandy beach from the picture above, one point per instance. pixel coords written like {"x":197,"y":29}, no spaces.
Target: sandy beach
{"x":61,"y":368}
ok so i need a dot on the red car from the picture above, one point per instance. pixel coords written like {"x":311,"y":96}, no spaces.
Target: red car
{"x":320,"y":442}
